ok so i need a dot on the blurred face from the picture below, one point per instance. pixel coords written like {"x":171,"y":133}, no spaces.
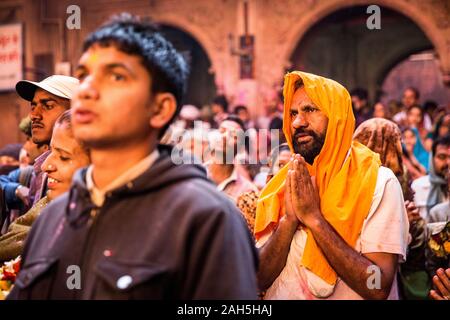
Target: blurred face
{"x":308,"y":126}
{"x":227,"y":147}
{"x":113,"y":105}
{"x":243,"y":115}
{"x":45,"y":109}
{"x":409,"y":98}
{"x":216,"y":108}
{"x":414,"y":117}
{"x":281,"y":161}
{"x":409,"y":139}
{"x":441,"y":160}
{"x":357,"y":103}
{"x":197,"y":148}
{"x":445,"y":127}
{"x":65,"y":158}
{"x":378,"y":111}
{"x":24,"y":158}
{"x":8,"y":161}
{"x":34,"y":150}
{"x":284,"y":158}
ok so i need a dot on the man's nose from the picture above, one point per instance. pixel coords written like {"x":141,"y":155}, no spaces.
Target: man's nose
{"x":88,"y":89}
{"x":36,"y":113}
{"x":299,"y":122}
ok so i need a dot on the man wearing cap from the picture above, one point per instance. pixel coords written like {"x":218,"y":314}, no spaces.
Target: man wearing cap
{"x":49,"y":99}
{"x":332,"y":224}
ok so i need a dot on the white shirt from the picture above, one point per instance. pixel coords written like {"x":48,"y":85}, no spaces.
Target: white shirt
{"x":98,"y":195}
{"x":384,"y":230}
{"x":233,"y":177}
{"x":421,"y":187}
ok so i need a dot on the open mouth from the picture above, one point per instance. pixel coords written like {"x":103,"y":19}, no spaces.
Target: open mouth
{"x":52,"y":182}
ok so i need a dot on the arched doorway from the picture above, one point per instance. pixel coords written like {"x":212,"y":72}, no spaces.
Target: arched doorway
{"x":201,"y":87}
{"x":340,"y":46}
{"x":419,"y":70}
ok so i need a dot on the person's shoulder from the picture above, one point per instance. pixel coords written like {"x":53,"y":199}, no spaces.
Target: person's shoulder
{"x":54,"y":210}
{"x":440,"y":212}
{"x":202,"y":196}
{"x":12,"y":176}
{"x":441,"y":207}
{"x":385,"y":175}
{"x":387,"y":188}
{"x":421,"y":182}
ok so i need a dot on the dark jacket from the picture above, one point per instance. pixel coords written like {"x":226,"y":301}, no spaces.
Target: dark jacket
{"x":167,"y":235}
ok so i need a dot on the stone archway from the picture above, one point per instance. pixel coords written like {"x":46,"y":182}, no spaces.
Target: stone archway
{"x":201,"y":87}
{"x":419,"y":70}
{"x":197,"y":33}
{"x":340,"y":46}
{"x":417,"y":11}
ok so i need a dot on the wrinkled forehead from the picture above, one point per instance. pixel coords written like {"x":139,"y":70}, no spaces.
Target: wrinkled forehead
{"x":442,"y":149}
{"x":41,"y":94}
{"x":301,"y":99}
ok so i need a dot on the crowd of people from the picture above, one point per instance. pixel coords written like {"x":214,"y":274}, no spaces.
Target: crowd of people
{"x":326,"y":196}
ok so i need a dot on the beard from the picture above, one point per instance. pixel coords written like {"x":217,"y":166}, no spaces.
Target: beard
{"x":309,"y":150}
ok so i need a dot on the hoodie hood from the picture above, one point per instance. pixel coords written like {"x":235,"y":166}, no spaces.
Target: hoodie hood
{"x":163,"y":173}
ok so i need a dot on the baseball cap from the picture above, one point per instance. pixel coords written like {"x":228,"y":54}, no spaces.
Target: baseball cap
{"x":11,"y":150}
{"x":189,"y":112}
{"x":61,"y":86}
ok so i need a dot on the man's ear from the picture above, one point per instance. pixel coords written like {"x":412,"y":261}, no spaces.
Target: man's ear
{"x":44,"y":147}
{"x":164,"y":106}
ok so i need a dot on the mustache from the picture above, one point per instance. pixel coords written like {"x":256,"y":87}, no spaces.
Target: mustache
{"x":302,"y":132}
{"x":37,"y":123}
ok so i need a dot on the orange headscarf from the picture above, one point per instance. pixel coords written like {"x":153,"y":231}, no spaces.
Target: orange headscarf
{"x":345,"y":172}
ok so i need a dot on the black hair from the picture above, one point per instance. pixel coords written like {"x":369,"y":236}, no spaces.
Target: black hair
{"x":135,"y":36}
{"x":361,"y":93}
{"x":65,"y":118}
{"x":221,"y":101}
{"x":239,"y":108}
{"x":415,"y":91}
{"x":437,"y":127}
{"x":236,"y":119}
{"x":275,"y":153}
{"x":404,"y":129}
{"x":283,"y":147}
{"x":417,"y":106}
{"x":444,"y":141}
{"x":430,"y":105}
{"x":298,"y":84}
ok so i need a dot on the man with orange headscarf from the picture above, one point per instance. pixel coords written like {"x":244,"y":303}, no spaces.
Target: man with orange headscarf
{"x":332,"y":223}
